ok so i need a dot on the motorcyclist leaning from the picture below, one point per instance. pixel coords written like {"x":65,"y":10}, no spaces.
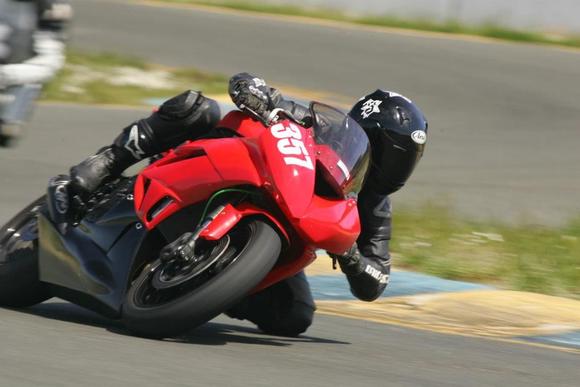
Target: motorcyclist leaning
{"x":31,"y":53}
{"x":397,"y":132}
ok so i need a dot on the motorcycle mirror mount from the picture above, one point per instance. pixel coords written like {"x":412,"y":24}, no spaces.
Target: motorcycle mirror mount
{"x":276,"y":114}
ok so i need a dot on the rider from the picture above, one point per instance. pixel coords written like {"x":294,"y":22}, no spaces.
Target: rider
{"x":397,"y":132}
{"x":31,"y":52}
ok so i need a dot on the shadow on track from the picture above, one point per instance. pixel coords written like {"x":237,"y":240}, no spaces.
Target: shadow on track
{"x":212,"y":333}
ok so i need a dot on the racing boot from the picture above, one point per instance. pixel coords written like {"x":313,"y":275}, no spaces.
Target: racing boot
{"x":184,"y":117}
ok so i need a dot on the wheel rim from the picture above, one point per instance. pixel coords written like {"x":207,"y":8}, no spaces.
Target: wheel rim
{"x":163,"y":282}
{"x":178,"y":271}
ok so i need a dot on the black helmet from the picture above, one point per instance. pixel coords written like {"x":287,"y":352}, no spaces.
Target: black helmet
{"x":397,"y":132}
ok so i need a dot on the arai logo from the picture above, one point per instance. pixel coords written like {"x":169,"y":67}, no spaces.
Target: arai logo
{"x":419,"y":136}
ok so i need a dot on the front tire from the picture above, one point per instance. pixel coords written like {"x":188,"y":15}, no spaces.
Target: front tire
{"x":19,"y":283}
{"x":151,"y":312}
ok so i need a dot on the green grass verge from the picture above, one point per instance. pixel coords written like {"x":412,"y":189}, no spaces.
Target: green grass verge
{"x":537,"y":259}
{"x":113,"y":79}
{"x":487,"y":30}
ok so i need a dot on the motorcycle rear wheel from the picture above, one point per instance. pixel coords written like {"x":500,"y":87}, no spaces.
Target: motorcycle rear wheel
{"x":19,"y":283}
{"x":253,"y":248}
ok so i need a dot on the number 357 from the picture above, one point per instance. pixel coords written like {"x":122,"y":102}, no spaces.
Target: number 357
{"x":290,"y":144}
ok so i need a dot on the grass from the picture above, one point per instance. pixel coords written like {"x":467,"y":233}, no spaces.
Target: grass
{"x":114,"y":79}
{"x":489,"y":30}
{"x":529,"y":258}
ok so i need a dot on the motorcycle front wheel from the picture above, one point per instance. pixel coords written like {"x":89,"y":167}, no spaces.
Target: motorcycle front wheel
{"x":170,"y":298}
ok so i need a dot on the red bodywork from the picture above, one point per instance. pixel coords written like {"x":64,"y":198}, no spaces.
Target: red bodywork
{"x":279,"y":161}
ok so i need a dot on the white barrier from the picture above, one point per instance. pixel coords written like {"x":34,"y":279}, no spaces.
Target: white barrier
{"x":559,"y":16}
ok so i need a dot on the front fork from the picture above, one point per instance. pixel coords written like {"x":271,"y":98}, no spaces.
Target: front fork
{"x":183,"y":248}
{"x":218,"y":223}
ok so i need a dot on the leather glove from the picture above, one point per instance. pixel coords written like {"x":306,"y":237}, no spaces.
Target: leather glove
{"x":367,"y":277}
{"x":350,"y":262}
{"x":251,"y":93}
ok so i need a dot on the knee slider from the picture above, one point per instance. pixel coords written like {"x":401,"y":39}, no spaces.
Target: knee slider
{"x":180,"y":106}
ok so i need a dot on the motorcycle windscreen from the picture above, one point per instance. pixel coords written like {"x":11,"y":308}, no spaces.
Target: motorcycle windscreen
{"x":343,"y":148}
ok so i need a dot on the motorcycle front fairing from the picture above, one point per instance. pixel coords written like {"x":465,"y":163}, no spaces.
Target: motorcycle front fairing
{"x":190,"y":174}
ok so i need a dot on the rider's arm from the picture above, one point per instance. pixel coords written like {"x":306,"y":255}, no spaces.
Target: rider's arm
{"x":48,"y":47}
{"x":367,"y":265}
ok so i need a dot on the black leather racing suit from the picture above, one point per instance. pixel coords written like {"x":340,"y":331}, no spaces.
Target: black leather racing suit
{"x":287,"y":307}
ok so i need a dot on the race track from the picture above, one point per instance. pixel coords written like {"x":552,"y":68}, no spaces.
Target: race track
{"x":505,"y":119}
{"x":505,"y":132}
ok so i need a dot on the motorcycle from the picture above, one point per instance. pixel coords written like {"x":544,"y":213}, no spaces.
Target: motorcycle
{"x":253,"y":207}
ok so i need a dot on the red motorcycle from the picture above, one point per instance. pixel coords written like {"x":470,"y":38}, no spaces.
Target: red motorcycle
{"x":253,"y":207}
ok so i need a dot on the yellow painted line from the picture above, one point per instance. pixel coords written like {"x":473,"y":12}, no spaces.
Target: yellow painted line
{"x":346,"y":25}
{"x":494,"y":314}
{"x":455,"y":333}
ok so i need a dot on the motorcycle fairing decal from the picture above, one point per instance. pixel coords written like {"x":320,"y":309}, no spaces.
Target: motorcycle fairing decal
{"x":290,"y":176}
{"x":290,"y":144}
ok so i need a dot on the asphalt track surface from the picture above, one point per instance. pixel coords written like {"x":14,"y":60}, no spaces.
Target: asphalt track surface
{"x":504,"y":117}
{"x":57,"y":344}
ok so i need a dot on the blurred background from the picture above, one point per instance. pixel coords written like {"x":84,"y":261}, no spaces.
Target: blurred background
{"x":495,"y":199}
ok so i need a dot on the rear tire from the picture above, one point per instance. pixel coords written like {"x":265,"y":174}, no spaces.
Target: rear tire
{"x":19,"y":283}
{"x":254,"y":258}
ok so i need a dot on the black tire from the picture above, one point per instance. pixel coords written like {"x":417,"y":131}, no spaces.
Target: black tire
{"x":176,"y":316}
{"x":19,"y":283}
